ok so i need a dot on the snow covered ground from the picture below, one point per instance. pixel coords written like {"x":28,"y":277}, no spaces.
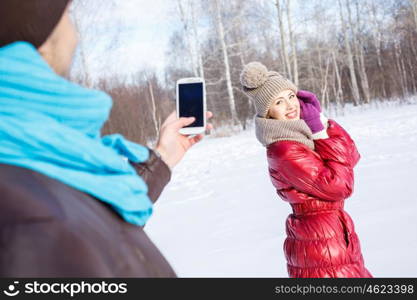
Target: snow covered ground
{"x":220,"y":215}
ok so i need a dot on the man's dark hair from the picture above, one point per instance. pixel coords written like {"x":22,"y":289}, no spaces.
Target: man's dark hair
{"x":29,"y":20}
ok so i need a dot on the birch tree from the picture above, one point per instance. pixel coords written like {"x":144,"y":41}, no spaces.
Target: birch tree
{"x":154,"y":118}
{"x":339,"y":88}
{"x":292,"y":43}
{"x":196,"y":38}
{"x":188,"y":34}
{"x":354,"y":84}
{"x":376,"y":33}
{"x":414,"y":9}
{"x":282,"y":32}
{"x":222,"y":40}
{"x":359,"y":53}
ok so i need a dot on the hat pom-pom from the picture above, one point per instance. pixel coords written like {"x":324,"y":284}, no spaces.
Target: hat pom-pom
{"x":254,"y":75}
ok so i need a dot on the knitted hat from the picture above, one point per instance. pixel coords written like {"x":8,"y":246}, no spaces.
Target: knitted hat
{"x":29,"y":20}
{"x":262,"y":86}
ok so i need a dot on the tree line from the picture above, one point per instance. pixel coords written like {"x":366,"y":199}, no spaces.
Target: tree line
{"x":345,"y":51}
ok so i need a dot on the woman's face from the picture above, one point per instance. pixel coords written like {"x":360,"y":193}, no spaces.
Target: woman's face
{"x":285,"y":106}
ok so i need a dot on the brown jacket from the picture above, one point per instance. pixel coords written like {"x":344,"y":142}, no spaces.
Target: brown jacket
{"x":49,"y":229}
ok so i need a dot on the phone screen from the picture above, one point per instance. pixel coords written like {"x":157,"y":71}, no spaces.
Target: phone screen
{"x":191,"y":102}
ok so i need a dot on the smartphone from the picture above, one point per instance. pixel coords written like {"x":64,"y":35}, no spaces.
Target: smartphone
{"x":191,"y":102}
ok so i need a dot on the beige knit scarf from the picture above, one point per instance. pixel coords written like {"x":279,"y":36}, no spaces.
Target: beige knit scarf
{"x":269,"y":131}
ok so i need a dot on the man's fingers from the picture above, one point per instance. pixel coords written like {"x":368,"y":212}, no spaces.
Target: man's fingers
{"x":182,"y":122}
{"x":173,"y":118}
{"x":195,"y":139}
{"x":209,"y":126}
{"x":209,"y":114}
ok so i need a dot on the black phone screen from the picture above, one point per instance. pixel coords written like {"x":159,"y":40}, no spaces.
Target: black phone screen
{"x":191,"y":102}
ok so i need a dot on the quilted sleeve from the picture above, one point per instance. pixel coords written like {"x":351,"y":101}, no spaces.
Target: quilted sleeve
{"x":326,"y":173}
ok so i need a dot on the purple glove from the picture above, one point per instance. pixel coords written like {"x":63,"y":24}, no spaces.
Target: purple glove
{"x":309,"y":97}
{"x":310,"y":110}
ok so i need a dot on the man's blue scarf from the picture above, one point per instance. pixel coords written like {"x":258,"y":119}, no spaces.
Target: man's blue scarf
{"x":52,"y":126}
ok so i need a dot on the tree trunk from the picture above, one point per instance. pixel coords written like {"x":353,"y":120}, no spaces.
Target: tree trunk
{"x":339,"y":94}
{"x":399,"y":68}
{"x":284,"y":54}
{"x":376,"y":37}
{"x":324,"y":91}
{"x":364,"y":76}
{"x":226,"y":63}
{"x":292,"y":43}
{"x":188,"y":38}
{"x":197,"y":42}
{"x":412,"y":74}
{"x":413,"y":70}
{"x":354,"y":84}
{"x":310,"y":71}
{"x":414,"y":6}
{"x":404,"y":72}
{"x":320,"y":66}
{"x":360,"y":53}
{"x":154,"y":118}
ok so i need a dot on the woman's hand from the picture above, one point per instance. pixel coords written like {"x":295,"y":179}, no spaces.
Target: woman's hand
{"x":310,"y":111}
{"x":309,"y":97}
{"x":172,"y":145}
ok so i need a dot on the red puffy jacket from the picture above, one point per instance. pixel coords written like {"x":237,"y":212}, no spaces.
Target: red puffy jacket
{"x":321,"y":239}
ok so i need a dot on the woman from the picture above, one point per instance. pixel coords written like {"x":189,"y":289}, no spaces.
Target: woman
{"x":311,"y":162}
{"x":72,"y":203}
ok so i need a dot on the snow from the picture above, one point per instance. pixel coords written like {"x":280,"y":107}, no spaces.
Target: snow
{"x":221,"y":217}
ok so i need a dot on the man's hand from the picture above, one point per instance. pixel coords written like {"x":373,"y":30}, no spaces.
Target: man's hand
{"x":172,"y":145}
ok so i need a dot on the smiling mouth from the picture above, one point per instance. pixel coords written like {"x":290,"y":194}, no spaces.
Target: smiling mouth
{"x":291,"y":115}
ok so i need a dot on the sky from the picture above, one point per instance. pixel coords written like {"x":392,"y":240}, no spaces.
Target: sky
{"x":123,"y":37}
